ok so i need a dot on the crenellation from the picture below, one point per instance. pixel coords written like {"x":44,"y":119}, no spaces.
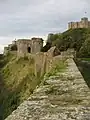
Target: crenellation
{"x":84,"y":23}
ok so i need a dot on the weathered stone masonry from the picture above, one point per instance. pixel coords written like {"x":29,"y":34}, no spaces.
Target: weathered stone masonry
{"x":29,"y":46}
{"x":84,"y":23}
{"x":68,"y":100}
{"x":25,"y":46}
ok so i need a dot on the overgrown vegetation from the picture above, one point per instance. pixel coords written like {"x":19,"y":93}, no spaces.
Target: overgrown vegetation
{"x":84,"y":67}
{"x":59,"y":67}
{"x":17,"y":82}
{"x":79,"y":39}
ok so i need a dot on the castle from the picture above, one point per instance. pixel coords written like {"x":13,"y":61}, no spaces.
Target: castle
{"x":24,"y":46}
{"x":84,"y":23}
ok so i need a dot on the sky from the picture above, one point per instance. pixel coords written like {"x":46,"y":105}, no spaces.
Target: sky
{"x":28,"y":18}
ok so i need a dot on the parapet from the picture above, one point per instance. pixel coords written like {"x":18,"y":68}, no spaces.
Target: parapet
{"x":84,"y":23}
{"x":84,"y":19}
{"x":23,"y":41}
{"x":37,"y":39}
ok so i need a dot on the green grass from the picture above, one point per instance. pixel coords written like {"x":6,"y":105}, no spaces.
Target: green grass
{"x":17,"y":82}
{"x":59,"y":67}
{"x":86,"y":59}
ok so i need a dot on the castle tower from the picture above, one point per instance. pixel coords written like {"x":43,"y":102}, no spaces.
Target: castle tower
{"x":25,"y":46}
{"x":37,"y":44}
{"x":84,"y":22}
{"x":70,"y":25}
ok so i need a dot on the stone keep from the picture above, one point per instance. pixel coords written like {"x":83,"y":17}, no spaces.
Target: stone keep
{"x":84,"y":23}
{"x":25,"y":46}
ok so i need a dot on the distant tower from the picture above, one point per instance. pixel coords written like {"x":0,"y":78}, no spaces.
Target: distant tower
{"x":70,"y":25}
{"x":84,"y":22}
{"x":37,"y":44}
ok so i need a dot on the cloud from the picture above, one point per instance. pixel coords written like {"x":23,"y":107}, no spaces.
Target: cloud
{"x":26,"y":18}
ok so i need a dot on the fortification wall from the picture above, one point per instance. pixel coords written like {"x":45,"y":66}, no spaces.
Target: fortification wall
{"x":37,"y":45}
{"x":45,"y":61}
{"x":29,"y":46}
{"x":84,"y":23}
{"x":25,"y":46}
{"x":64,"y":96}
{"x":22,"y":46}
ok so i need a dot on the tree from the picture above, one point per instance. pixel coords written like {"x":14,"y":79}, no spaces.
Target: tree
{"x":85,"y":49}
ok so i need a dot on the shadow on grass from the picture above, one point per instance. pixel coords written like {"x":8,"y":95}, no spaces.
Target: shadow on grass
{"x":11,"y":97}
{"x":84,"y":68}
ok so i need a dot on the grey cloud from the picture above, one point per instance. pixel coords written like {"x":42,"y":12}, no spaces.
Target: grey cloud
{"x":38,"y":17}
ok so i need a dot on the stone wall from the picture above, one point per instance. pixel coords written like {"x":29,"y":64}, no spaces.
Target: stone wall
{"x":29,"y":46}
{"x":37,"y":44}
{"x":45,"y":61}
{"x":22,"y":46}
{"x":84,"y":23}
{"x":64,"y":96}
{"x":8,"y":49}
{"x":25,"y":46}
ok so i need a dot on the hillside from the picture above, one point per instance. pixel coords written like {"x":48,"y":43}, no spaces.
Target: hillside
{"x":79,"y":39}
{"x":17,"y":82}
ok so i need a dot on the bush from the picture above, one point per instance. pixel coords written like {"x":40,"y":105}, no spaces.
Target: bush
{"x":73,"y":38}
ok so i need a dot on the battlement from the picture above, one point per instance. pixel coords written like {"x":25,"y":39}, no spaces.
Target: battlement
{"x":84,"y":23}
{"x":23,"y":41}
{"x":38,"y":39}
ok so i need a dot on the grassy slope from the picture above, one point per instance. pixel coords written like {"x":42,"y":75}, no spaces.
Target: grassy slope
{"x":86,"y":59}
{"x":17,"y":82}
{"x":77,"y":34}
